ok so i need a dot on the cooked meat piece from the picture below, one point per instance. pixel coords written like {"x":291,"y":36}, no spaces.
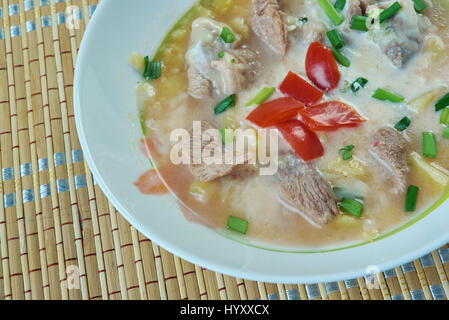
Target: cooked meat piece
{"x":209,"y":75}
{"x":199,"y":86}
{"x":400,"y":51}
{"x":204,"y":147}
{"x":390,"y":149}
{"x":312,"y":31}
{"x":237,"y":68}
{"x":304,"y":188}
{"x":401,"y":37}
{"x":267,"y":23}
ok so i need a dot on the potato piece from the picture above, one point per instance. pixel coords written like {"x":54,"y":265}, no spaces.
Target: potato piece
{"x":436,"y":175}
{"x":350,"y":168}
{"x":221,"y":6}
{"x":203,"y":191}
{"x":346,"y":221}
{"x":434,"y":49}
{"x":137,"y":61}
{"x":422,"y":102}
{"x":204,"y":12}
{"x":240,"y":26}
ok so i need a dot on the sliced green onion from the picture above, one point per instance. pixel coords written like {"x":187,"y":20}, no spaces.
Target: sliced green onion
{"x":221,"y":54}
{"x":403,"y":124}
{"x":444,"y":119}
{"x":227,"y":35}
{"x":442,"y":103}
{"x":341,"y":59}
{"x":353,"y":207}
{"x":385,"y":95}
{"x":304,"y":20}
{"x":411,"y":199}
{"x":429,"y":145}
{"x":346,"y":152}
{"x":262,"y":96}
{"x":152,"y":69}
{"x":226,"y":104}
{"x":331,"y":12}
{"x":237,"y":225}
{"x":420,"y":5}
{"x":446,"y":132}
{"x":359,"y":23}
{"x":340,"y":4}
{"x":226,"y":135}
{"x":389,"y":12}
{"x":335,"y":39}
{"x":358,"y":84}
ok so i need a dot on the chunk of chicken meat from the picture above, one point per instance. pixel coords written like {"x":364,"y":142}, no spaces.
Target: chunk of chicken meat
{"x":237,"y":68}
{"x":268,"y":24}
{"x":210,"y":166}
{"x":207,"y":73}
{"x":390,"y":149}
{"x":303,"y":189}
{"x":401,"y":36}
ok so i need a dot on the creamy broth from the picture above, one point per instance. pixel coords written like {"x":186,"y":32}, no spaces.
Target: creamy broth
{"x":166,"y":106}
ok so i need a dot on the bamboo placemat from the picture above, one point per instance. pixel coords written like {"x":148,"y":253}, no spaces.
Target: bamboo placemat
{"x":60,"y":238}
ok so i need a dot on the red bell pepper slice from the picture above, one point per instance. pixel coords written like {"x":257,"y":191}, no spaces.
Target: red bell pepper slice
{"x":275,"y":111}
{"x":296,"y":87}
{"x":330,"y":116}
{"x":304,"y":141}
{"x":321,"y":67}
{"x":150,"y":183}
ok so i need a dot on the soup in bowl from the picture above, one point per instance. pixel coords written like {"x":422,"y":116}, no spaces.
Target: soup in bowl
{"x":345,"y":102}
{"x":104,"y":94}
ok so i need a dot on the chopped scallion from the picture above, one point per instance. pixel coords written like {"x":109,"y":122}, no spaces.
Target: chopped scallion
{"x":358,"y":84}
{"x":446,"y":132}
{"x":221,"y":54}
{"x":359,"y":23}
{"x":403,"y":124}
{"x":444,"y":118}
{"x":352,"y":207}
{"x":262,"y":96}
{"x":304,"y":20}
{"x":346,"y":152}
{"x":341,"y":59}
{"x":226,"y":104}
{"x":420,"y":5}
{"x":331,"y":12}
{"x":152,"y":69}
{"x":226,"y":135}
{"x":385,"y":95}
{"x":389,"y":12}
{"x":340,"y":4}
{"x":411,"y":199}
{"x":227,"y":35}
{"x":442,"y":103}
{"x":335,"y":39}
{"x":429,"y":145}
{"x":237,"y":225}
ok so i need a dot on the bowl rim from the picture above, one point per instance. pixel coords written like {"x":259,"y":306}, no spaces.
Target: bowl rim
{"x":185,"y":254}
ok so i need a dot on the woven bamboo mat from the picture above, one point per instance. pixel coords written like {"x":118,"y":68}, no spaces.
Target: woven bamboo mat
{"x":60,"y":238}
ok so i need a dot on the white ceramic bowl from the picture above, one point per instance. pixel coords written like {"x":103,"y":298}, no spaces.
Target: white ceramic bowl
{"x":104,"y":100}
